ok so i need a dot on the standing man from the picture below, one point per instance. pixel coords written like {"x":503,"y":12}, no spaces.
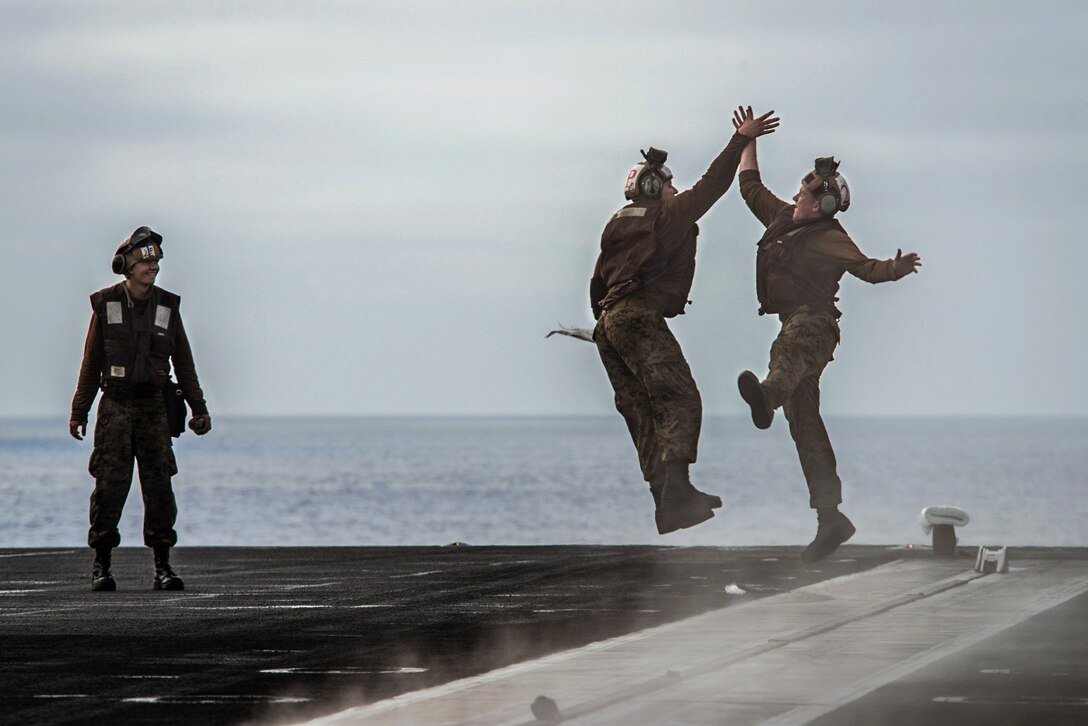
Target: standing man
{"x":801,"y":258}
{"x":135,"y":334}
{"x":643,"y":275}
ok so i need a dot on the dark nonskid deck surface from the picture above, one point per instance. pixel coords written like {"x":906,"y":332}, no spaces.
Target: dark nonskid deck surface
{"x":275,"y":635}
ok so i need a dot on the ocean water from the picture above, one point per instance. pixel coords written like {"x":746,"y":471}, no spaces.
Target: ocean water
{"x":557,"y":480}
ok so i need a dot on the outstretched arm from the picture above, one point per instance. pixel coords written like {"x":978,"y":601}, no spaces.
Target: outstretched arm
{"x":760,"y":200}
{"x":839,"y":249}
{"x":748,"y":160}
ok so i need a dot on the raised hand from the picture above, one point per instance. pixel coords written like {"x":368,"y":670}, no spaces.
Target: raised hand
{"x":747,"y":124}
{"x":906,"y":264}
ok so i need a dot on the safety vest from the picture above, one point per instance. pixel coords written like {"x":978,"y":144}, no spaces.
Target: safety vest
{"x":782,"y":283}
{"x":137,"y":346}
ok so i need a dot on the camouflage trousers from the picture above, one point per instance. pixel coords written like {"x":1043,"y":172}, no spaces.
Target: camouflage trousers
{"x":127,"y":430}
{"x":804,"y":347}
{"x":655,"y":392}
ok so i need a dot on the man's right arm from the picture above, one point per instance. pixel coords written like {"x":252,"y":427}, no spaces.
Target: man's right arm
{"x":761,"y":200}
{"x":764,"y":204}
{"x":87,"y":384}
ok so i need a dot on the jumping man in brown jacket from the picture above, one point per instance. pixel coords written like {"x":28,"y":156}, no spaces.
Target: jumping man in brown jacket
{"x":801,"y":258}
{"x":643,"y":275}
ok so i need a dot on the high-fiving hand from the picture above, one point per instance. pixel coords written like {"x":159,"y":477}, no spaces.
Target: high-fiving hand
{"x":747,"y":124}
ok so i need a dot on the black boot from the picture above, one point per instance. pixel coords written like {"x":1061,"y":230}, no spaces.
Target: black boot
{"x":165,"y":579}
{"x":101,"y":576}
{"x":834,"y":529}
{"x":756,"y":398}
{"x":679,"y":504}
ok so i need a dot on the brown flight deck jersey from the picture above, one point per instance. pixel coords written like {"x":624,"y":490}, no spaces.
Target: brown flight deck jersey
{"x":94,"y":370}
{"x":648,"y":247}
{"x":813,"y":259}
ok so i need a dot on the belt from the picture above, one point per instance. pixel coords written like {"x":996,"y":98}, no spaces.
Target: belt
{"x":620,"y":304}
{"x":627,"y":302}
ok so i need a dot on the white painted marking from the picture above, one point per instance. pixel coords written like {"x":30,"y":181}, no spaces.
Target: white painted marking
{"x":346,"y":671}
{"x":995,"y":670}
{"x":1014,"y":700}
{"x":45,"y":611}
{"x":41,"y":554}
{"x":63,"y":695}
{"x":417,"y":574}
{"x":258,"y":607}
{"x":592,"y":610}
{"x":20,"y":592}
{"x":212,"y":700}
{"x":274,"y":650}
{"x":143,"y":676}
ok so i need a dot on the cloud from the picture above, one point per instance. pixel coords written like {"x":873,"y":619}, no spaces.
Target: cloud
{"x":416,"y":190}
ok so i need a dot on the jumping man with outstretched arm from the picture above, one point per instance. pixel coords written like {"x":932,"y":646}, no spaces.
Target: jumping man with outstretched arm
{"x":801,"y":257}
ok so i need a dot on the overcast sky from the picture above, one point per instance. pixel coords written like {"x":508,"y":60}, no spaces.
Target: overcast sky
{"x":382,"y":208}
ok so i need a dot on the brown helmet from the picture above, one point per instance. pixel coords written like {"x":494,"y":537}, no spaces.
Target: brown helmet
{"x":828,"y":186}
{"x":648,"y":178}
{"x":143,"y":244}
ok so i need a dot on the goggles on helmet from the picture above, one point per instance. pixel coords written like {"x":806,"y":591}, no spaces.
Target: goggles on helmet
{"x":144,"y":253}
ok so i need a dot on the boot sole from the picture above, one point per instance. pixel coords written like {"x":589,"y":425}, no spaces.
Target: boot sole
{"x":750,"y":391}
{"x":104,"y":586}
{"x":712,"y":500}
{"x":682,"y":520}
{"x":816,"y":552}
{"x":173,"y":586}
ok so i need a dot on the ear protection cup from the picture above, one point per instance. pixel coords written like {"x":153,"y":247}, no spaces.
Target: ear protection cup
{"x":119,"y":264}
{"x":648,"y":178}
{"x":828,"y":201}
{"x":651,"y":184}
{"x":828,"y":187}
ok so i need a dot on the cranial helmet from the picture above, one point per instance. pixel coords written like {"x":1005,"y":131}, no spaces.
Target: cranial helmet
{"x":648,"y":178}
{"x":142,"y":245}
{"x":828,"y":186}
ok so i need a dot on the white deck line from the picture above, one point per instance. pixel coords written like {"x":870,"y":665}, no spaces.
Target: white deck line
{"x":791,"y":657}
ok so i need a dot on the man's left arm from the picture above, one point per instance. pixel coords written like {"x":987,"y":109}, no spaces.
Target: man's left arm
{"x":185,"y":369}
{"x":841,"y":250}
{"x":686,"y":208}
